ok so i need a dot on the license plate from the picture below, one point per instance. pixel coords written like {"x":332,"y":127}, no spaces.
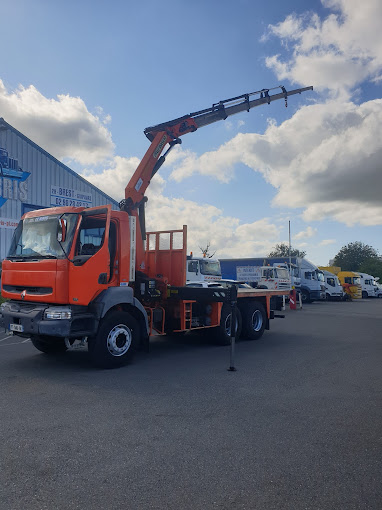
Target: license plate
{"x":16,"y":327}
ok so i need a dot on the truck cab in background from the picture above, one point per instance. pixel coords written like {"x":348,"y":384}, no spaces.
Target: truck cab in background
{"x":351,"y":282}
{"x":334,"y":289}
{"x":311,"y":279}
{"x":202,"y":269}
{"x":368,"y":284}
{"x":253,"y":272}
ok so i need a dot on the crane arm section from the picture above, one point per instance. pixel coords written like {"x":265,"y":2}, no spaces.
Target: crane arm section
{"x":171,"y":131}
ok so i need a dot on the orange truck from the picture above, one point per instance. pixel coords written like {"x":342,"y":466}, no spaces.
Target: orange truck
{"x":96,"y":276}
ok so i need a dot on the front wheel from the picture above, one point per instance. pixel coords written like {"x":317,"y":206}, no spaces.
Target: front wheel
{"x":305,"y":296}
{"x":116,"y":341}
{"x":49,"y":344}
{"x":365,"y":295}
{"x":253,"y":320}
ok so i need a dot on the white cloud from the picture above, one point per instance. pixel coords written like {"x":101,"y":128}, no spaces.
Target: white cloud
{"x":63,"y":126}
{"x":336,"y":53}
{"x":206,"y":223}
{"x":114,"y":179}
{"x":325,"y":159}
{"x":326,"y":242}
{"x":304,"y":234}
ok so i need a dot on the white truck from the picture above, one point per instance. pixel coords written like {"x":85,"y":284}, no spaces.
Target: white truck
{"x":273,"y":277}
{"x":309,"y":277}
{"x":265,"y":277}
{"x":202,"y":269}
{"x":334,"y":289}
{"x":369,"y":285}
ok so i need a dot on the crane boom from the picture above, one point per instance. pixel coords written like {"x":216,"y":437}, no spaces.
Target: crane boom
{"x":169,"y":133}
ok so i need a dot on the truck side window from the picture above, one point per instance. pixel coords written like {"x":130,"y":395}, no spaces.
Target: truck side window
{"x":348,"y":279}
{"x":331,"y":282}
{"x":193,"y":266}
{"x":91,"y":235}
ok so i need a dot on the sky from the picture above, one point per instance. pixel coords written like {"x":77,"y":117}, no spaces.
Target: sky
{"x":82,"y":79}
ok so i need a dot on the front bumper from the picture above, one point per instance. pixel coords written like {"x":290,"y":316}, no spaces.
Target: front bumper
{"x":29,"y":320}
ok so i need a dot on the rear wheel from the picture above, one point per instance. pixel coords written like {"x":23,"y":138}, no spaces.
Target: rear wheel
{"x":223,"y":331}
{"x":49,"y":344}
{"x":254,"y":318}
{"x":116,"y":341}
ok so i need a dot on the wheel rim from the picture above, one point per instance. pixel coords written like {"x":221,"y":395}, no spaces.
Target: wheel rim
{"x":119,"y":340}
{"x":257,"y":320}
{"x":227,"y":324}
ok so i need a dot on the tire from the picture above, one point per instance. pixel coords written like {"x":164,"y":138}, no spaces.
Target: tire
{"x":49,"y":344}
{"x":254,"y":318}
{"x":365,"y":295}
{"x":305,"y":296}
{"x":327,"y":297}
{"x":116,"y":341}
{"x":223,"y":331}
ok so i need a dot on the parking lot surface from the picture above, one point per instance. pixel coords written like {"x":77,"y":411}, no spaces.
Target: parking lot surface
{"x":297,"y":426}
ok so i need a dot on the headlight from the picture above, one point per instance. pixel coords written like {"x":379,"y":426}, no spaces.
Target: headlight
{"x":57,"y":313}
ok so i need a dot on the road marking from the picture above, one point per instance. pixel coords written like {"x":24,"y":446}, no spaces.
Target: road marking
{"x":6,"y":338}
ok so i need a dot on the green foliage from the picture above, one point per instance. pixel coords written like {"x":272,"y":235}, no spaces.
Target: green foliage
{"x":353,"y":255}
{"x":282,"y":250}
{"x":372,"y":267}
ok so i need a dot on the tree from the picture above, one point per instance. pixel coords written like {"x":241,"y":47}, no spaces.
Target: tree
{"x":353,"y":255}
{"x":206,"y":251}
{"x":282,"y":250}
{"x":372,"y":267}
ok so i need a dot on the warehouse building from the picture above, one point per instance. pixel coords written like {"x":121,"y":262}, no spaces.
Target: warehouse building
{"x":30,"y":178}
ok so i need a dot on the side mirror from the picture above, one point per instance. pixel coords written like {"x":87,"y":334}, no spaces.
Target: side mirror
{"x":61,"y":230}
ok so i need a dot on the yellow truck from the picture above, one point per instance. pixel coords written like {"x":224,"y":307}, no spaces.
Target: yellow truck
{"x":350,"y":281}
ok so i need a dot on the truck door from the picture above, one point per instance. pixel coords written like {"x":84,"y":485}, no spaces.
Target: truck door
{"x":193,"y":271}
{"x":90,"y":270}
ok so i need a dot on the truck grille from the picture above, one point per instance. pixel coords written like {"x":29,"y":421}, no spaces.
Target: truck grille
{"x":36,"y":291}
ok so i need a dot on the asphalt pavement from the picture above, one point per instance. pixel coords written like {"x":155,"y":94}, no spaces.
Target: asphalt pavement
{"x":297,"y":426}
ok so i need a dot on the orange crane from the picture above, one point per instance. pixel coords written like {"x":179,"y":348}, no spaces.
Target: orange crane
{"x":76,"y":274}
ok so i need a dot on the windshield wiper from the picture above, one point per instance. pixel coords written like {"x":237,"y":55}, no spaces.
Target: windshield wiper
{"x":20,"y":258}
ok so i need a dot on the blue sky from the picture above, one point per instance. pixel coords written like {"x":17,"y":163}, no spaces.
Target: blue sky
{"x":83,"y":79}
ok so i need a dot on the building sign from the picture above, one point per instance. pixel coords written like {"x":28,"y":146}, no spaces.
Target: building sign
{"x":10,"y":223}
{"x":248,"y":273}
{"x":13,"y":179}
{"x":60,"y":196}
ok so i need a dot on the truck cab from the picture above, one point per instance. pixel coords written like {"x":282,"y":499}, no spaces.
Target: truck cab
{"x":202,"y":269}
{"x":334,"y":289}
{"x":351,"y":283}
{"x":368,"y":284}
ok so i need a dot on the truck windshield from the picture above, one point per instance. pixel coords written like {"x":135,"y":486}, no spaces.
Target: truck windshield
{"x":282,"y":273}
{"x":37,"y":237}
{"x":320,"y":276}
{"x":210,"y":267}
